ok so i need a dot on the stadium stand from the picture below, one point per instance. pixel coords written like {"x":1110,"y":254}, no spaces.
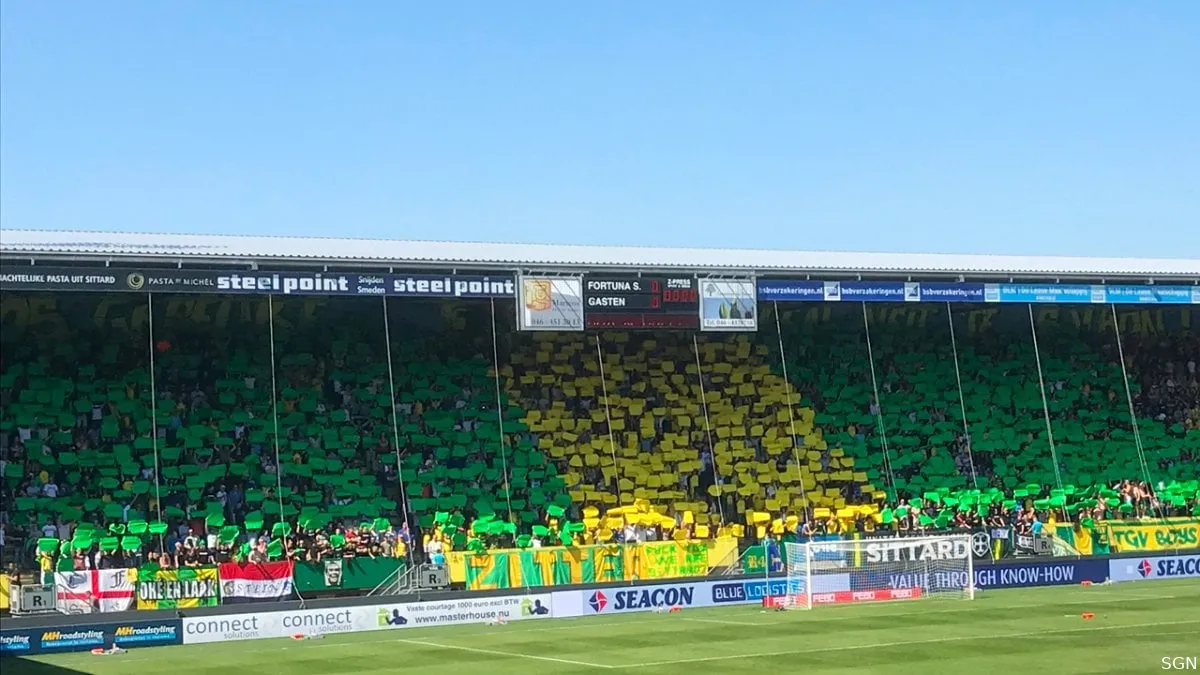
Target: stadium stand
{"x":678,"y":435}
{"x":703,"y":443}
{"x":78,"y":429}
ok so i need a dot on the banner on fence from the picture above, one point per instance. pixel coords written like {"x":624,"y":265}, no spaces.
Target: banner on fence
{"x":255,"y":582}
{"x":87,"y":591}
{"x":563,"y":565}
{"x":1166,"y":536}
{"x":361,"y":573}
{"x":184,"y":587}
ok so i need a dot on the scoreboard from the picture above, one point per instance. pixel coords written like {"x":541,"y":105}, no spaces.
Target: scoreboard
{"x":641,"y":302}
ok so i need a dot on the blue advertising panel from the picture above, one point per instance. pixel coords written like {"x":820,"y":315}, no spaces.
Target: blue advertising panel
{"x":1000,"y":575}
{"x":1037,"y":293}
{"x":787,"y":290}
{"x":83,"y":637}
{"x":872,"y":291}
{"x":947,"y":292}
{"x":1151,"y":295}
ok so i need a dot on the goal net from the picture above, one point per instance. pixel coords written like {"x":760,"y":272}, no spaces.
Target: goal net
{"x":866,"y":570}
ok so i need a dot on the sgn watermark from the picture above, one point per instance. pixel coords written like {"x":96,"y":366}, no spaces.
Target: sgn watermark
{"x":1179,"y":663}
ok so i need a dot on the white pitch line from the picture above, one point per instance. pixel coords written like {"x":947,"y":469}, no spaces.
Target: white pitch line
{"x":1146,"y":596}
{"x":494,"y":652}
{"x":725,"y":621}
{"x":902,"y":643}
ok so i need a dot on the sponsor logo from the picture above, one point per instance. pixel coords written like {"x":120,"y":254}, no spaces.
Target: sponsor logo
{"x":648,"y":598}
{"x":538,"y":295}
{"x":729,"y":593}
{"x":333,"y":621}
{"x":1178,"y":567}
{"x":392,"y":618}
{"x":53,"y":639}
{"x":135,"y":281}
{"x":284,"y":283}
{"x":533,"y":607}
{"x":134,"y":634}
{"x":1144,"y":568}
{"x":981,"y":544}
{"x":14,"y":643}
{"x":900,"y":550}
{"x":246,"y":627}
{"x":598,"y":601}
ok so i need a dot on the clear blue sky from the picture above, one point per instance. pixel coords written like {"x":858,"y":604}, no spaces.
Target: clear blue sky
{"x":1067,"y":127}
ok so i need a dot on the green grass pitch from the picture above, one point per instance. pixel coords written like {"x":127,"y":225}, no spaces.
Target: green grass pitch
{"x":1012,"y":632}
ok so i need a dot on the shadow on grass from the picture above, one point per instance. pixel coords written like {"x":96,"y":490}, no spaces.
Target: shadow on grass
{"x":15,"y":665}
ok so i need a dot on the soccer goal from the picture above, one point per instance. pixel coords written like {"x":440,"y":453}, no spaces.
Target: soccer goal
{"x":866,"y":570}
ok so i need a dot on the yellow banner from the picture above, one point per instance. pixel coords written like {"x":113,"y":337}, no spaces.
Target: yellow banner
{"x":562,"y":565}
{"x":1125,"y":537}
{"x":671,"y":559}
{"x":3,"y":591}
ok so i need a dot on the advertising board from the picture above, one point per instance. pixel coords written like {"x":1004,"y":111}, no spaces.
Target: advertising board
{"x":804,"y":290}
{"x":550,"y":303}
{"x":647,"y":598}
{"x":999,"y":575}
{"x":728,"y":305}
{"x":81,"y":637}
{"x":753,"y":591}
{"x":259,"y":625}
{"x":241,"y":282}
{"x":470,"y":610}
{"x":1155,"y":567}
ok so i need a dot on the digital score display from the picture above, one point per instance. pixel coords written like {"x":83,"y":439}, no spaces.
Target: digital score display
{"x":641,"y":302}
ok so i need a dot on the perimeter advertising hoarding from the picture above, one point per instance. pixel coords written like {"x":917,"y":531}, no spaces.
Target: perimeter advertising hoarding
{"x":245,"y":282}
{"x":550,"y":303}
{"x":798,"y":290}
{"x":1154,"y":567}
{"x":670,"y":313}
{"x":259,"y":625}
{"x":83,"y":637}
{"x":1047,"y":572}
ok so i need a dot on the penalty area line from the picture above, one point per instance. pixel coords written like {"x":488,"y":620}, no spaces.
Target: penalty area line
{"x":725,"y":622}
{"x":495,"y":652}
{"x":901,"y":643}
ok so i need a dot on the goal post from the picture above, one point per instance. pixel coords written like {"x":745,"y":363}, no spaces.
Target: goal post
{"x":886,"y":568}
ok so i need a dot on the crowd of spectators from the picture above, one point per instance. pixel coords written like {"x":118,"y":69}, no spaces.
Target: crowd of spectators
{"x":347,"y":383}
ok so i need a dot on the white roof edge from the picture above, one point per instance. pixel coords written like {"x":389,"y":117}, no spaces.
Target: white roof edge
{"x":244,"y":248}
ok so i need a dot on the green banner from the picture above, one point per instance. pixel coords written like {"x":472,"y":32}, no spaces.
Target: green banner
{"x":181,"y":588}
{"x":361,"y":573}
{"x":754,"y":561}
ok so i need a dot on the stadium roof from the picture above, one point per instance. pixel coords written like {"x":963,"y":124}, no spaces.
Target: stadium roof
{"x":209,"y":248}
